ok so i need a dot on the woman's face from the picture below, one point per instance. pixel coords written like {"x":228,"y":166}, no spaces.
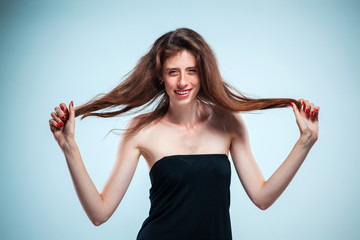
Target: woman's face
{"x":181,"y":78}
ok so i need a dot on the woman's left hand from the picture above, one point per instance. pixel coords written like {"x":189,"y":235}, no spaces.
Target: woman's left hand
{"x":307,"y":119}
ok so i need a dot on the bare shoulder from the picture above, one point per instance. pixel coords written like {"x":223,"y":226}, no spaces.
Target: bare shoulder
{"x":132,"y":130}
{"x":231,"y":122}
{"x":135,"y":135}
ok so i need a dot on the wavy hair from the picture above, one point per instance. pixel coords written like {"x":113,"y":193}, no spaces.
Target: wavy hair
{"x":141,"y":86}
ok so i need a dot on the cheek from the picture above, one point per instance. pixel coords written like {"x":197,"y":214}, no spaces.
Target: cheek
{"x":198,"y":87}
{"x":167,"y":89}
{"x":168,"y":86}
{"x":169,"y":83}
{"x":196,"y":82}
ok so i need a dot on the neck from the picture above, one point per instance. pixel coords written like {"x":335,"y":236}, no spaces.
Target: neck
{"x":187,"y":115}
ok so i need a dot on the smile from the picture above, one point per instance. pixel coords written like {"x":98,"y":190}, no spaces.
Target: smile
{"x":183,"y":92}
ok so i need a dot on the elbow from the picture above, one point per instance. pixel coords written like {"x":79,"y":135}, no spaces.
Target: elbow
{"x":266,"y":205}
{"x":98,"y":215}
{"x":262,"y":205}
{"x":97,"y":222}
{"x":262,"y":201}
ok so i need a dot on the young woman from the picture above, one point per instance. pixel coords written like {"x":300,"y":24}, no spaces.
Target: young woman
{"x":185,"y":141}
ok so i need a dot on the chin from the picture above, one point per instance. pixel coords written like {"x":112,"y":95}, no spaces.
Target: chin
{"x":183,"y":101}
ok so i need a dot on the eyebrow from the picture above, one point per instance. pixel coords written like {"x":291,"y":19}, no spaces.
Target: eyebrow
{"x":167,"y":69}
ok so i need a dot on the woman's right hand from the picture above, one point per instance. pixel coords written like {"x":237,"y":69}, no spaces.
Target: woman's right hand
{"x":62,"y":124}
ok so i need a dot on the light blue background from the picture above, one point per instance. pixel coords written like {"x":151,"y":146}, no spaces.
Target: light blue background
{"x":58,"y":51}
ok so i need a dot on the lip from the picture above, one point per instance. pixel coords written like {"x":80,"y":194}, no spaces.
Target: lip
{"x":183,"y":95}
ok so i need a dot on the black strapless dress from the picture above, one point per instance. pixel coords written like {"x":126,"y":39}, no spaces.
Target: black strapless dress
{"x":190,"y":199}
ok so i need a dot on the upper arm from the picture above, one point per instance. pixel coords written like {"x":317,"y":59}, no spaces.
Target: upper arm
{"x":246,"y":167}
{"x":127,"y":158}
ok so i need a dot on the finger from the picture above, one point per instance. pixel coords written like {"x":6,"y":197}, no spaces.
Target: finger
{"x":60,"y":114}
{"x":64,"y":109}
{"x":54,"y":125}
{"x":297,"y":104}
{"x":56,"y":119}
{"x":72,"y":110}
{"x":295,"y":109}
{"x":312,"y":109}
{"x":317,"y":109}
{"x":316,"y":114}
{"x":52,"y":128}
{"x":302,"y":101}
{"x":307,"y":107}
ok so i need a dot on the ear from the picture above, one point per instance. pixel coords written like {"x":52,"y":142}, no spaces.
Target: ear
{"x":161,"y":79}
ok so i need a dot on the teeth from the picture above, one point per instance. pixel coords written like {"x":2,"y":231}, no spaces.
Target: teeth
{"x":182,"y":92}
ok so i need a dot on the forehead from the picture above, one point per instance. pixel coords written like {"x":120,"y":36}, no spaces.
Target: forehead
{"x":181,"y":59}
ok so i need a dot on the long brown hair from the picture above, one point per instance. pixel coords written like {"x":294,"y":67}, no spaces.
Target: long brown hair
{"x":142,"y":87}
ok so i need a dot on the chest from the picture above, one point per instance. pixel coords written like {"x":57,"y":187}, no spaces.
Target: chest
{"x":165,"y":140}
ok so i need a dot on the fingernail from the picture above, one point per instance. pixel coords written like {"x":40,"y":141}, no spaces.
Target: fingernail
{"x":63,"y":118}
{"x":62,"y":108}
{"x":61,"y":124}
{"x":57,"y":125}
{"x":317,"y":110}
{"x":72,"y":103}
{"x":307,"y":111}
{"x":312,"y":114}
{"x":291,"y":103}
{"x":303,"y":103}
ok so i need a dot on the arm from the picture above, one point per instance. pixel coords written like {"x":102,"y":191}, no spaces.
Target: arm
{"x":264,"y":193}
{"x":98,"y":206}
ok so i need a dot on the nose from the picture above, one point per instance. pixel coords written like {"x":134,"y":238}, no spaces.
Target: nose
{"x":182,"y":82}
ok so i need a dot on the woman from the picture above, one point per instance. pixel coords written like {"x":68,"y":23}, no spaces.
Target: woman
{"x":185,"y":142}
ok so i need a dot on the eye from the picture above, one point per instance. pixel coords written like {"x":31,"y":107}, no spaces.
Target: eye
{"x":192,"y":70}
{"x":172,"y":72}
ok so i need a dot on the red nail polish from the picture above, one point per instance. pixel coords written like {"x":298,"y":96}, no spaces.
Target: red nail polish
{"x":317,"y":110}
{"x":72,"y":103}
{"x":61,"y":124}
{"x":303,"y":103}
{"x":291,"y":103}
{"x":63,"y":118}
{"x":57,"y":125}
{"x":62,"y":108}
{"x":312,"y":114}
{"x":307,"y":111}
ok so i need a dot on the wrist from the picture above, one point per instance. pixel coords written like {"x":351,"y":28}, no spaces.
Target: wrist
{"x":68,"y":145}
{"x":307,"y":139}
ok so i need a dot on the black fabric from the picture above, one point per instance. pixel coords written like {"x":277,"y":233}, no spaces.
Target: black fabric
{"x":190,"y":199}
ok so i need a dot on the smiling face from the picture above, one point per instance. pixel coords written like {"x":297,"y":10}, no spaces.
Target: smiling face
{"x":181,"y":78}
